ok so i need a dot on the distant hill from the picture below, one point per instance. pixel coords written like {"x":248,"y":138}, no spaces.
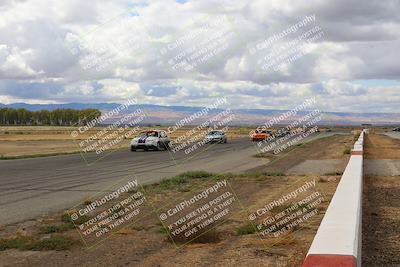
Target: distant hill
{"x":170,"y":114}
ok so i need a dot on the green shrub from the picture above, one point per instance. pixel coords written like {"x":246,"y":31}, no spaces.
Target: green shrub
{"x":183,"y":178}
{"x":172,"y":182}
{"x":53,"y":243}
{"x":66,"y":218}
{"x":246,"y":229}
{"x":48,"y":229}
{"x":196,"y":174}
{"x":19,"y":242}
{"x":29,"y":243}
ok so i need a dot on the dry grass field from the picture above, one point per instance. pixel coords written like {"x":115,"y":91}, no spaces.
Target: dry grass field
{"x":31,"y":141}
{"x":146,"y":243}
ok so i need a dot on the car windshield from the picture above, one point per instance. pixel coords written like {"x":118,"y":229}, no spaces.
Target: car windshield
{"x":147,"y":134}
{"x":214,"y":133}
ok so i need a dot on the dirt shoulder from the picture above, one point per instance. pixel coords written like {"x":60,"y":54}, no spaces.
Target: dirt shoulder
{"x":335,"y":147}
{"x":52,"y":241}
{"x":381,"y":206}
{"x":381,"y":147}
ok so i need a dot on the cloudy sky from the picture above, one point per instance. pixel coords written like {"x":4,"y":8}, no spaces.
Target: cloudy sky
{"x":259,"y":54}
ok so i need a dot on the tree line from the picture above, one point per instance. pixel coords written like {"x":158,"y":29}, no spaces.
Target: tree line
{"x":57,"y":117}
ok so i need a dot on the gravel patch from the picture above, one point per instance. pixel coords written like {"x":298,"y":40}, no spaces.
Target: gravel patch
{"x":385,"y":167}
{"x":319,"y":167}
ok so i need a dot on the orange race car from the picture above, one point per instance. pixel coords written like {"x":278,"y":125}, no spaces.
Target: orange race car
{"x":260,"y":135}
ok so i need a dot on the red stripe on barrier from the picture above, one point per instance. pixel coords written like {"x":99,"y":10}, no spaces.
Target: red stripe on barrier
{"x":330,"y":261}
{"x":356,"y":152}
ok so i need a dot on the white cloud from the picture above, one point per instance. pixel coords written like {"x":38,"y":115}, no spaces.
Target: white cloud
{"x":14,"y":63}
{"x":39,"y":45}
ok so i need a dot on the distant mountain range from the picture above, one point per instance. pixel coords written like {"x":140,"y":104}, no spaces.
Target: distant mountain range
{"x":164,"y":115}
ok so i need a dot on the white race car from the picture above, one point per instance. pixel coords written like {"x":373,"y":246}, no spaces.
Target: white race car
{"x":156,"y":140}
{"x":216,"y":136}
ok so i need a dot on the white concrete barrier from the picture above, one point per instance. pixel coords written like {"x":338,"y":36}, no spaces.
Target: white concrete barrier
{"x":338,"y":239}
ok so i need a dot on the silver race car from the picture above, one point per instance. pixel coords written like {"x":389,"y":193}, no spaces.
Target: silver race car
{"x":156,"y":140}
{"x":216,"y":136}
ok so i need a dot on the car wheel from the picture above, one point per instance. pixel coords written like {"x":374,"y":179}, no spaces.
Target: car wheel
{"x":166,"y":146}
{"x":133,"y":148}
{"x":226,"y":140}
{"x":146,"y":149}
{"x":159,"y":146}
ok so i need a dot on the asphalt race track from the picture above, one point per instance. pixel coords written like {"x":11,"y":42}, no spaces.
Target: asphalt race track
{"x":33,"y":187}
{"x":395,"y":135}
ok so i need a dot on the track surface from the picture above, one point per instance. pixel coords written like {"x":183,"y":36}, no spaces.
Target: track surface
{"x":33,"y":187}
{"x":395,"y":135}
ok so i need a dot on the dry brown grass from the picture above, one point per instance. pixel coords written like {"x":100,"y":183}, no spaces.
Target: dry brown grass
{"x":219,"y":247}
{"x":25,"y":141}
{"x":381,"y":147}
